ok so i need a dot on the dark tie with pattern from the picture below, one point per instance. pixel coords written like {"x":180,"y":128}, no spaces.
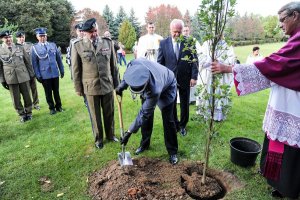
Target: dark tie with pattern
{"x":94,"y":44}
{"x":10,"y":48}
{"x":177,"y":50}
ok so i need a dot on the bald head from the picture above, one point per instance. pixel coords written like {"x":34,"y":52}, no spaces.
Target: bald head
{"x":176,"y":27}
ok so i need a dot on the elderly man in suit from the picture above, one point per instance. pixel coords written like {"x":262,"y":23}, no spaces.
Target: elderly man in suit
{"x":15,"y":73}
{"x":95,"y":74}
{"x":170,"y":54}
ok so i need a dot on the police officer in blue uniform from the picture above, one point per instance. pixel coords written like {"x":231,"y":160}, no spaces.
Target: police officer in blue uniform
{"x":158,"y":85}
{"x":47,"y":65}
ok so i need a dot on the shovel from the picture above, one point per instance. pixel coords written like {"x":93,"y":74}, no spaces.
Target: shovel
{"x":124,"y":157}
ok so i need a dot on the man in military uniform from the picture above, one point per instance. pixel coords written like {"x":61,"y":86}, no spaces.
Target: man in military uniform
{"x":15,"y":73}
{"x":96,"y":75}
{"x":79,"y":33}
{"x":20,"y":35}
{"x":47,"y":64}
{"x":158,"y":86}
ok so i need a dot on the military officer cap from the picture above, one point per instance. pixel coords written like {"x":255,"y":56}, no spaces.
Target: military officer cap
{"x":137,"y":76}
{"x":89,"y":24}
{"x":40,"y":31}
{"x":79,"y":26}
{"x":5,"y":33}
{"x":20,"y":34}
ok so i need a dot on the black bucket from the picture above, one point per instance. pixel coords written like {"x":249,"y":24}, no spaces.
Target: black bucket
{"x":244,"y":151}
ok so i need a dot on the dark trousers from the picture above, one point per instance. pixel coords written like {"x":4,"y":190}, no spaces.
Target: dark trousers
{"x":121,"y":58}
{"x":98,"y":105}
{"x":51,"y":86}
{"x":16,"y":90}
{"x":34,"y":92}
{"x":170,"y":134}
{"x":184,"y":96}
{"x":146,"y":129}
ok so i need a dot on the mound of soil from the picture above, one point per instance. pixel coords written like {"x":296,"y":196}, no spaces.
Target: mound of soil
{"x":151,"y":178}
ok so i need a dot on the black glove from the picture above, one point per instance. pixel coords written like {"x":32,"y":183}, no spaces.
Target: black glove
{"x":125,"y":138}
{"x":119,"y":91}
{"x":4,"y":84}
{"x":62,"y":75}
{"x":39,"y":79}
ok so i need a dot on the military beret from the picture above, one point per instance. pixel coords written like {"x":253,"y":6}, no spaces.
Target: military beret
{"x":20,"y":33}
{"x":40,"y":31}
{"x":89,"y":24}
{"x":137,"y":75}
{"x":5,"y":33}
{"x":79,"y":26}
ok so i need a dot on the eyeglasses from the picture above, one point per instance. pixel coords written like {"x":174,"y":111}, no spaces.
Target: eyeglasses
{"x":284,"y":18}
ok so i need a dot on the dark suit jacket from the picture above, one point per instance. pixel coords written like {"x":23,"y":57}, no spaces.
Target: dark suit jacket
{"x":183,"y":70}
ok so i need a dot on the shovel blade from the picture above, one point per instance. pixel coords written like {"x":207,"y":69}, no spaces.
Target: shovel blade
{"x":125,"y":158}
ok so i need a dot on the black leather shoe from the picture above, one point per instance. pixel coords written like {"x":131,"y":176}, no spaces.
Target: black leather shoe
{"x":173,"y":159}
{"x":37,"y":107}
{"x":23,"y":119}
{"x":183,"y":131}
{"x":114,"y":139}
{"x":99,"y":145}
{"x":276,"y":194}
{"x":59,"y":110}
{"x":140,"y":150}
{"x":28,"y":117}
{"x":52,"y":112}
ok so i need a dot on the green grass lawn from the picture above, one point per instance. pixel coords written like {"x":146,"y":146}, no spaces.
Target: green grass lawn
{"x":61,"y":146}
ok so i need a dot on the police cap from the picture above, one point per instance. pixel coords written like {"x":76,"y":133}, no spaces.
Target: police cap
{"x":89,"y":24}
{"x":137,"y":76}
{"x":5,"y":33}
{"x":40,"y":31}
{"x":20,"y":34}
{"x":79,"y":26}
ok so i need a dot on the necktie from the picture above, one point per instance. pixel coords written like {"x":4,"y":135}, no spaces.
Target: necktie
{"x":10,"y":48}
{"x":94,"y":44}
{"x":177,"y":50}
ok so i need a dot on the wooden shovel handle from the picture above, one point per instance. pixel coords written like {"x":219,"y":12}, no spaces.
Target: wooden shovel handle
{"x":119,"y":104}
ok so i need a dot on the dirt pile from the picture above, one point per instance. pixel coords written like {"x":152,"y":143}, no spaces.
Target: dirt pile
{"x":157,"y":179}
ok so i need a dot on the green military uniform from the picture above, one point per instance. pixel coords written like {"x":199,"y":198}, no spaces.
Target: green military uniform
{"x":35,"y":99}
{"x":96,"y":75}
{"x":16,"y":70}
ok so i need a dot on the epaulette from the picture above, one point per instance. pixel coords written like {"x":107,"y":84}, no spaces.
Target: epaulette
{"x":106,"y":38}
{"x":76,"y":40}
{"x":28,"y":43}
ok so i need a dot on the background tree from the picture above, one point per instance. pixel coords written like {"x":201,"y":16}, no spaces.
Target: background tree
{"x":127,"y":35}
{"x":187,"y":19}
{"x":162,"y":17}
{"x":85,"y":14}
{"x":110,"y":21}
{"x":134,"y":21}
{"x":120,"y":17}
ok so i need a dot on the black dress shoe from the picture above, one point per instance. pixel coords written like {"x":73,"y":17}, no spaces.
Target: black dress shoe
{"x":52,"y":112}
{"x":23,"y":119}
{"x":183,"y":131}
{"x":140,"y":150}
{"x":99,"y":145}
{"x":276,"y":194}
{"x":173,"y":159}
{"x":59,"y":110}
{"x":114,"y":139}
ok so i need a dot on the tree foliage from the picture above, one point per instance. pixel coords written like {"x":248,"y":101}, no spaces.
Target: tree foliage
{"x":120,"y":18}
{"x":134,"y":21}
{"x":162,"y":17}
{"x":30,"y":14}
{"x":110,"y":21}
{"x":127,"y":35}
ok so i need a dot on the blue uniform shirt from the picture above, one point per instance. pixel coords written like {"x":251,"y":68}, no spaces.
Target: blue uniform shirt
{"x":46,"y":60}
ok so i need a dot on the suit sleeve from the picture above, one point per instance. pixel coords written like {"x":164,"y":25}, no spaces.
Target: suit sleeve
{"x":160,"y":56}
{"x":35,"y":63}
{"x":113,"y":65}
{"x":59,"y":61}
{"x":76,"y":63}
{"x":2,"y":79}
